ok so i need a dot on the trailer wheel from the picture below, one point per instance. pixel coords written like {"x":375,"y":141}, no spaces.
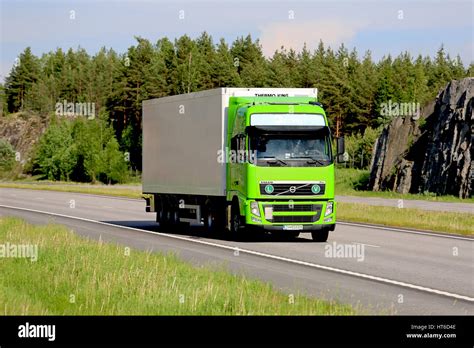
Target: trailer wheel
{"x":174,"y":216}
{"x":211,"y":220}
{"x":320,"y":236}
{"x":160,"y":214}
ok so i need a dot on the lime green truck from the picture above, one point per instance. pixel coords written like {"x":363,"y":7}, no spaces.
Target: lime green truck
{"x":241,"y":159}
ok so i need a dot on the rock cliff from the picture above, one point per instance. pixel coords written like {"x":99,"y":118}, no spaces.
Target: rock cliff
{"x":432,"y":153}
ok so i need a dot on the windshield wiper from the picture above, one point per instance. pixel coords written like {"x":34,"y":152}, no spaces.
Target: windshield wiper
{"x":273,"y":159}
{"x":312,"y":160}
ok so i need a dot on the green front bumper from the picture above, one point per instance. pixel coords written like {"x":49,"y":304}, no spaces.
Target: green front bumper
{"x":302,"y":215}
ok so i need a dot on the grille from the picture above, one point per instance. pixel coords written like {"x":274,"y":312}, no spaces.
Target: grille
{"x":295,"y":207}
{"x":314,"y":208}
{"x":294,"y":218}
{"x":285,"y":190}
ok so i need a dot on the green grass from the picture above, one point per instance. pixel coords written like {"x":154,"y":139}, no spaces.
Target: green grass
{"x":457,"y":223}
{"x":351,"y":182}
{"x":104,"y":280}
{"x":115,"y":190}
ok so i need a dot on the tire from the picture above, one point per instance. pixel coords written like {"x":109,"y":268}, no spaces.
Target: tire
{"x":165,"y":215}
{"x":174,"y":216}
{"x":235,"y":221}
{"x":160,"y":213}
{"x":211,"y":221}
{"x":320,"y":236}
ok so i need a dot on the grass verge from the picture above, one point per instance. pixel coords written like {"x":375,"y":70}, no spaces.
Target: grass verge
{"x":77,"y":276}
{"x":457,"y":223}
{"x":116,"y":190}
{"x":351,"y":182}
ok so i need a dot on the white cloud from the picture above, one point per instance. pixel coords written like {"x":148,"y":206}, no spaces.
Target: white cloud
{"x":294,"y":34}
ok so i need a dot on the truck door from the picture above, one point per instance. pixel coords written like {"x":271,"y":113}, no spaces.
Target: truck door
{"x":238,"y":164}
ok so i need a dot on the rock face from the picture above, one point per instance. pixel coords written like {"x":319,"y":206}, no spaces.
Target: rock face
{"x":434,"y":153}
{"x":22,"y":131}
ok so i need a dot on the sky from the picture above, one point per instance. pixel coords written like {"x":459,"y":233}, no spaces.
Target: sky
{"x":383,"y":27}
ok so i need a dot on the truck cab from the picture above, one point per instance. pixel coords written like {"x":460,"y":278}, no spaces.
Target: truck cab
{"x":282,"y":179}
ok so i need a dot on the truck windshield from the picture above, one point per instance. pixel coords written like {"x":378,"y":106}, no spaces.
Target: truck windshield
{"x":297,"y":150}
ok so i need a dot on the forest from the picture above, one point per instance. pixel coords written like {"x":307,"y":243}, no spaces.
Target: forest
{"x":352,"y":86}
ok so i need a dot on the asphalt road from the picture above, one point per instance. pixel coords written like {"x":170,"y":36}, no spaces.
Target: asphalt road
{"x":399,"y":272}
{"x":387,"y":202}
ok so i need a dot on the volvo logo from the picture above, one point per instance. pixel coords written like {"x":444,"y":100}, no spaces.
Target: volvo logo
{"x":292,"y":189}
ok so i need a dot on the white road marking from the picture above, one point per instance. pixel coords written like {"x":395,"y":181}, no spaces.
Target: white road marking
{"x":269,"y":256}
{"x":369,"y":245}
{"x":403,"y":230}
{"x":40,"y":198}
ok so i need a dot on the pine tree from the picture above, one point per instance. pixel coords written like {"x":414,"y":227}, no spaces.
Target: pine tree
{"x":23,"y":76}
{"x":251,"y":62}
{"x":278,"y":72}
{"x":224,"y":68}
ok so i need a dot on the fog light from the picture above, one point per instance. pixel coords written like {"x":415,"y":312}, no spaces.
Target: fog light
{"x":328,"y":220}
{"x":254,"y":208}
{"x":328,"y":208}
{"x":257,"y":220}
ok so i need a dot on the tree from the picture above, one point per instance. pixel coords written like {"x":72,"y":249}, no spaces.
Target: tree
{"x":20,"y":80}
{"x":224,"y":68}
{"x":56,"y":154}
{"x":278,"y":73}
{"x":7,"y":157}
{"x":251,"y":64}
{"x":188,"y":65}
{"x":113,"y":167}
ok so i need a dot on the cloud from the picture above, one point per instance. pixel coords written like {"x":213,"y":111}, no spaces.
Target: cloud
{"x":292,"y":34}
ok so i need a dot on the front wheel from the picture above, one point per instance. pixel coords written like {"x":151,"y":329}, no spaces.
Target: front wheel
{"x":320,"y":236}
{"x":235,"y":221}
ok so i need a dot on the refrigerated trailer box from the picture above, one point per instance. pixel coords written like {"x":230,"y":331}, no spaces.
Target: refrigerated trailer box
{"x":284,"y":182}
{"x":181,"y":137}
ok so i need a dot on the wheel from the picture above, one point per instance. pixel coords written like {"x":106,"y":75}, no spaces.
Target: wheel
{"x":174,"y":216}
{"x":320,"y":236}
{"x":235,"y":221}
{"x":164,"y":214}
{"x":212,"y":221}
{"x":160,"y":213}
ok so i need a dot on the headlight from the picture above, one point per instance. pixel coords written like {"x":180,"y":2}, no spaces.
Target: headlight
{"x":328,"y":208}
{"x":269,"y":189}
{"x":254,"y":208}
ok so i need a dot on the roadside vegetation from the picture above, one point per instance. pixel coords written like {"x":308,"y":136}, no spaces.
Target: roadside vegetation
{"x":106,"y":190}
{"x":353,"y":182}
{"x":77,"y":276}
{"x":457,"y":223}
